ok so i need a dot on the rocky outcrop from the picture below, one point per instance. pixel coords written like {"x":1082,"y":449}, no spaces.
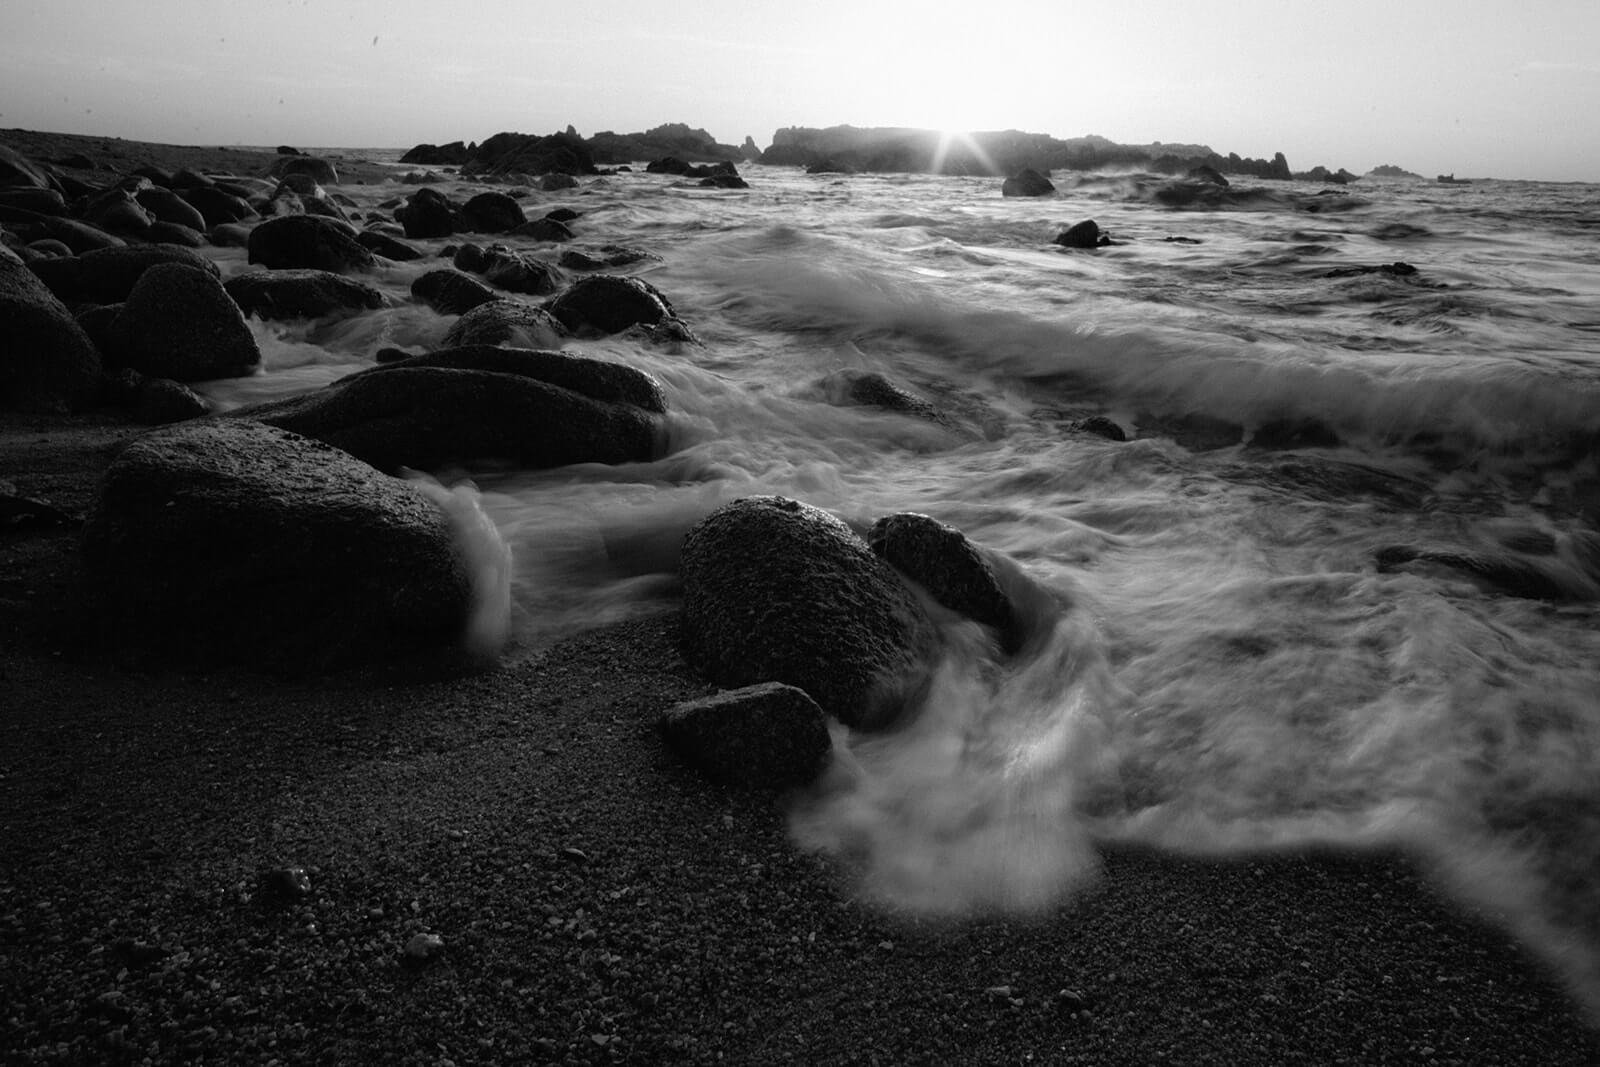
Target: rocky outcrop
{"x":1027,"y":182}
{"x":308,"y":242}
{"x":770,"y":736}
{"x":607,"y":303}
{"x":672,"y":139}
{"x":300,"y":294}
{"x":179,"y":323}
{"x":446,"y":155}
{"x":954,"y":571}
{"x":504,"y":153}
{"x":230,"y":540}
{"x":47,"y":362}
{"x":507,"y":322}
{"x":435,"y":412}
{"x":777,"y":591}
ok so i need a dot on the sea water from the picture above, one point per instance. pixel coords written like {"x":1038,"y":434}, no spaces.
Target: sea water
{"x":1379,"y":632}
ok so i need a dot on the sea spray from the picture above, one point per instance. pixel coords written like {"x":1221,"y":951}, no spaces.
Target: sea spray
{"x":487,"y":558}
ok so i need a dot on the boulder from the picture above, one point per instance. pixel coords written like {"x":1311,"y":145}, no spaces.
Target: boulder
{"x":563,"y":214}
{"x":216,"y":206}
{"x":117,"y":210}
{"x":545,"y":229}
{"x":47,"y":362}
{"x":1027,"y":182}
{"x":400,"y":415}
{"x":1085,"y":234}
{"x":507,"y":322}
{"x":597,"y":379}
{"x":387,"y":246}
{"x":159,"y":401}
{"x":179,"y":323}
{"x":428,"y":214}
{"x":492,"y":213}
{"x":608,"y":303}
{"x":231,"y":540}
{"x":229,"y":235}
{"x":17,"y":170}
{"x":954,"y":571}
{"x":300,"y":294}
{"x":451,"y":292}
{"x":319,"y":170}
{"x":171,"y":233}
{"x":516,"y":272}
{"x":108,"y":275}
{"x":778,"y":591}
{"x":308,"y":241}
{"x":551,"y":183}
{"x":168,"y":206}
{"x":770,"y":736}
{"x":724,"y":181}
{"x":29,"y":198}
{"x":606,"y":257}
{"x":80,"y":236}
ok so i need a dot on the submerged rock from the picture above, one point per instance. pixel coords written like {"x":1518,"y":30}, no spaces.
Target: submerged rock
{"x":778,"y":591}
{"x":235,"y":541}
{"x":874,"y":389}
{"x":770,"y":736}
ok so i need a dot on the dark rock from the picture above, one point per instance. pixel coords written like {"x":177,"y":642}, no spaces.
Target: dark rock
{"x":308,"y":241}
{"x":770,"y":736}
{"x":1027,"y":182}
{"x":507,"y":322}
{"x":517,"y":272}
{"x":1206,"y":173}
{"x":1085,"y":234}
{"x":186,"y":179}
{"x":469,"y":257}
{"x":596,"y":379}
{"x":724,"y":181}
{"x":874,"y":389}
{"x":18,"y":170}
{"x":29,"y":198}
{"x":216,"y":206}
{"x":451,"y":292}
{"x":453,"y":154}
{"x":47,"y":362}
{"x":320,"y":170}
{"x":610,"y":304}
{"x":563,"y":214}
{"x":607,"y":257}
{"x":96,"y":320}
{"x":168,"y":206}
{"x":1504,"y":573}
{"x":492,"y":213}
{"x":179,"y":323}
{"x":232,"y":540}
{"x":80,"y":236}
{"x":159,"y":401}
{"x":953,"y":570}
{"x":425,"y":417}
{"x":1389,"y":270}
{"x":668,"y":165}
{"x":19,"y":513}
{"x":171,"y":233}
{"x":387,"y":246}
{"x":116,"y":210}
{"x":300,"y":294}
{"x":545,"y":229}
{"x":229,"y":235}
{"x":285,"y":150}
{"x":776,"y":590}
{"x":1101,"y":426}
{"x":51,"y":247}
{"x":108,"y":275}
{"x":1196,"y":432}
{"x":428,"y":213}
{"x":552,"y":183}
{"x":1294,"y":433}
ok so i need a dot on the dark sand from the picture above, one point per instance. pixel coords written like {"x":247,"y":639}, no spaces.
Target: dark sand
{"x":598,"y":901}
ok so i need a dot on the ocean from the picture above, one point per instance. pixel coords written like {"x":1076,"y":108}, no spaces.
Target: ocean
{"x":1337,"y":589}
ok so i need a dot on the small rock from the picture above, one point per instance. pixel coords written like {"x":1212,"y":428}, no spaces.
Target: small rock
{"x":422,"y":948}
{"x":286,"y":883}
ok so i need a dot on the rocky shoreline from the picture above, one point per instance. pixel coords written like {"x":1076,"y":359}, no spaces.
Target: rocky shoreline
{"x":429,"y":861}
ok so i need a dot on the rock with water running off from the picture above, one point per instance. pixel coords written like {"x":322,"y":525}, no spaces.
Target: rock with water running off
{"x":608,"y":303}
{"x":954,"y":571}
{"x":227,"y":540}
{"x":775,"y":590}
{"x":506,"y":322}
{"x":1085,"y":234}
{"x":768,"y":736}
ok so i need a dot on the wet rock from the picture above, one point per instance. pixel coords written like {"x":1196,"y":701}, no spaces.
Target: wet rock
{"x":80,"y":236}
{"x":388,"y":246}
{"x":1208,"y":174}
{"x":770,"y":736}
{"x":17,"y":170}
{"x":168,"y":206}
{"x":1503,"y":573}
{"x":545,"y":229}
{"x":426,"y":416}
{"x":492,"y":213}
{"x":108,"y":275}
{"x":507,"y":322}
{"x":1027,"y":182}
{"x":563,"y":214}
{"x":216,"y":206}
{"x":47,"y":361}
{"x":428,"y":213}
{"x":1085,"y":234}
{"x":161,"y":401}
{"x":517,"y":272}
{"x":116,"y":210}
{"x":229,"y":235}
{"x":229,"y":540}
{"x":609,"y":304}
{"x":300,"y":294}
{"x":551,"y":183}
{"x":1388,"y":270}
{"x":451,"y":292}
{"x":874,"y":389}
{"x":778,"y":591}
{"x":605,"y":257}
{"x":285,"y":885}
{"x":179,"y":323}
{"x":1100,"y":426}
{"x":1196,"y":432}
{"x":30,"y":199}
{"x":308,"y":241}
{"x":724,"y":181}
{"x":594,"y":378}
{"x":49,"y":246}
{"x":954,"y":571}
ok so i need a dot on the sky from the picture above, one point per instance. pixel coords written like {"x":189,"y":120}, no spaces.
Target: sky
{"x":1477,"y":88}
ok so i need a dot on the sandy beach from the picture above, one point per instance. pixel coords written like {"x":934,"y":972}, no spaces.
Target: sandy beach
{"x":594,"y":899}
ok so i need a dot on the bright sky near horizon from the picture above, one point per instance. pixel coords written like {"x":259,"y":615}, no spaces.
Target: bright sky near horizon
{"x":1502,"y":88}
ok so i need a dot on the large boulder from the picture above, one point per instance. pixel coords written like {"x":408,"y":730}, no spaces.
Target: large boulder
{"x":231,"y":540}
{"x":507,"y":322}
{"x":300,"y":294}
{"x":179,"y":323}
{"x":427,"y":416}
{"x":428,"y":213}
{"x":953,"y":570}
{"x":517,"y":272}
{"x":778,"y":591}
{"x":108,"y":275}
{"x":492,"y":212}
{"x":451,"y":292}
{"x":597,"y":379}
{"x":308,"y":241}
{"x":47,"y":362}
{"x":770,"y":736}
{"x":608,"y":303}
{"x":1027,"y":182}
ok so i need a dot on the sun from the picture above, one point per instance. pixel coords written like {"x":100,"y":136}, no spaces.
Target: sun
{"x":961,"y":141}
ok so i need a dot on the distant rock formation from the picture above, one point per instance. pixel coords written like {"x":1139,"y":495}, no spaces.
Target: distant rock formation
{"x":1389,"y":170}
{"x":674,"y":139}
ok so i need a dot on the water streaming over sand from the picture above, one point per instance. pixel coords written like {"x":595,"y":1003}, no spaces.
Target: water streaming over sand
{"x":1219,"y":662}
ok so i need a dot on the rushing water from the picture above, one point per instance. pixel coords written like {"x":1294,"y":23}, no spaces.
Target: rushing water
{"x":1384,"y":634}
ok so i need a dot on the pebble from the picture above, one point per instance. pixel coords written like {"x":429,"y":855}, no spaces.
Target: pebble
{"x":423,"y":947}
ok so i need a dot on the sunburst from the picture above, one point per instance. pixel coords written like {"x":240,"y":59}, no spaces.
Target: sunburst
{"x":941,"y":152}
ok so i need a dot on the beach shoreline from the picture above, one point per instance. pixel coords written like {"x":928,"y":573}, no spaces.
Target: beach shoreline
{"x":596,"y":900}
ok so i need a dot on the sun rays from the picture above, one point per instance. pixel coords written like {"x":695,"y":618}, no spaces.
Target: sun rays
{"x":964,"y":143}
